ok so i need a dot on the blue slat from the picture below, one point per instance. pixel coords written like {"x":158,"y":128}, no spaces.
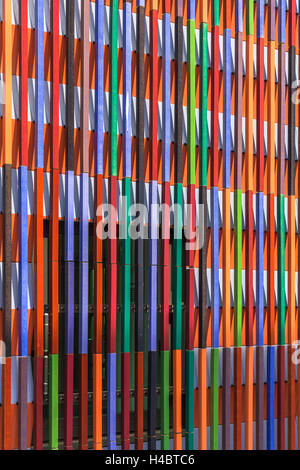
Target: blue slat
{"x":239,"y":16}
{"x":83,"y":307}
{"x":84,"y":221}
{"x":191,"y":10}
{"x":83,"y":264}
{"x":23,"y":262}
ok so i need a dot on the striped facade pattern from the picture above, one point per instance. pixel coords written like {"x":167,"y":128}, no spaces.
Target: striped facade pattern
{"x":122,"y":343}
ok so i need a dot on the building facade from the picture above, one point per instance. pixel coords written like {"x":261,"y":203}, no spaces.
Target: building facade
{"x":127,"y":128}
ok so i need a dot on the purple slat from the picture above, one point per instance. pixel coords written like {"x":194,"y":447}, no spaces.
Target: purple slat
{"x":153,"y":222}
{"x":69,"y":305}
{"x":152,"y":332}
{"x":111,"y":400}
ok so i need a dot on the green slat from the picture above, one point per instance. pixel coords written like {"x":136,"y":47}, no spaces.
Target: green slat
{"x":114,"y":86}
{"x":126,"y":268}
{"x":215,"y":14}
{"x":177,"y":299}
{"x":178,"y":218}
{"x":191,"y":100}
{"x":203,"y":104}
{"x":177,"y":270}
{"x":125,"y":344}
{"x":189,"y":399}
{"x":238,"y":267}
{"x":214,"y":405}
{"x":281,"y":270}
{"x":126,"y":188}
{"x":53,"y":401}
{"x":249,"y":17}
{"x":164,"y":399}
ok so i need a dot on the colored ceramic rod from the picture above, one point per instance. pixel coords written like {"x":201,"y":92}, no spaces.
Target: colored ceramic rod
{"x":52,"y":139}
{"x":271,"y":225}
{"x":297,"y":331}
{"x":202,"y":390}
{"x":69,"y":238}
{"x":139,"y":249}
{"x":291,"y":224}
{"x":238,"y":224}
{"x":165,"y":261}
{"x":23,"y":234}
{"x":177,"y":242}
{"x":226,"y":307}
{"x":214,"y":191}
{"x":38,"y":224}
{"x":298,"y":284}
{"x":249,"y":225}
{"x":53,"y":239}
{"x":84,"y":231}
{"x":153,"y":229}
{"x":281,"y":229}
{"x":260,"y":228}
{"x":112,"y":267}
{"x":7,"y":252}
{"x":98,"y":247}
{"x":190,"y":275}
{"x":126,"y":251}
